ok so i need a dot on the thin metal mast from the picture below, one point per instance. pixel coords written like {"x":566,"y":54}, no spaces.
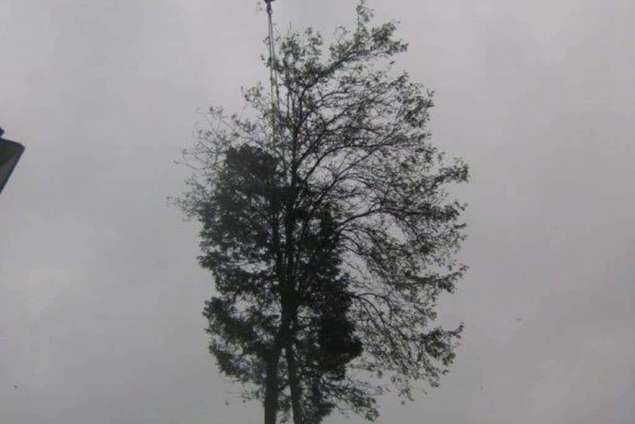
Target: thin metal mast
{"x":273,"y":77}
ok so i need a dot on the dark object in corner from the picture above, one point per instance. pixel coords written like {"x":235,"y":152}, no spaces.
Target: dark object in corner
{"x":10,"y":153}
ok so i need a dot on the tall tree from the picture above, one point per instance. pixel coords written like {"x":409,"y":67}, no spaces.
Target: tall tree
{"x":328,"y":229}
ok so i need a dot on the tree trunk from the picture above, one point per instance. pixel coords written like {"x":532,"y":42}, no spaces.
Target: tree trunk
{"x":272,"y":379}
{"x":294,"y":384}
{"x":272,"y":389}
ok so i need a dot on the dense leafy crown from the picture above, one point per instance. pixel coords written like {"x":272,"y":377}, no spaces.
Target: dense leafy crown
{"x":326,"y":225}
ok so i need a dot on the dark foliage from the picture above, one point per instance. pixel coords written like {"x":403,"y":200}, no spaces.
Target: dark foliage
{"x":330,"y":238}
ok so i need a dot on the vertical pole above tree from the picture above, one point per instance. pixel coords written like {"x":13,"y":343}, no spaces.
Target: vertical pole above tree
{"x":272,"y":391}
{"x":273,"y":78}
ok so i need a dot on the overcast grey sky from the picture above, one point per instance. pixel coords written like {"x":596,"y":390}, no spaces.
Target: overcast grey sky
{"x":100,"y":292}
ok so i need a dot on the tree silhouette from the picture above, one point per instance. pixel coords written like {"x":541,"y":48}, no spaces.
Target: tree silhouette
{"x":328,"y":229}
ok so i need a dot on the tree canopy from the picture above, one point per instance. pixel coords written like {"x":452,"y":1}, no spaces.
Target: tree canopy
{"x":328,"y":229}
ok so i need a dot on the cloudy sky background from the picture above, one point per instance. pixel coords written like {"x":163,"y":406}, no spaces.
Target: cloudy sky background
{"x":100,"y":292}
